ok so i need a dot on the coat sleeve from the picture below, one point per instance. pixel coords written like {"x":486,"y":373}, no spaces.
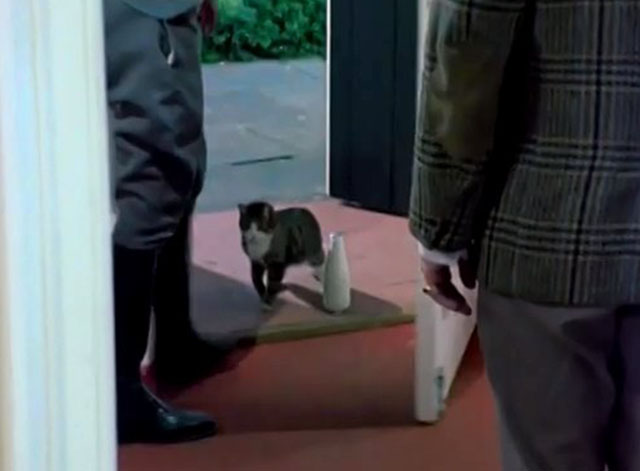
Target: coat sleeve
{"x":467,"y":46}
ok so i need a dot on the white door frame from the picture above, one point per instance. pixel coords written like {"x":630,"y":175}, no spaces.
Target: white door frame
{"x":56,"y":352}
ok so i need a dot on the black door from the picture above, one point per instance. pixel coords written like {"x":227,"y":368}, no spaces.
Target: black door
{"x":372,"y":102}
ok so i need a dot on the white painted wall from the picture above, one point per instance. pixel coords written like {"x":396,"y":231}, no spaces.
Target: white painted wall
{"x":56,"y":351}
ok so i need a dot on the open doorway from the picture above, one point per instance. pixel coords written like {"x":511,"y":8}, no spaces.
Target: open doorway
{"x":87,"y":353}
{"x":308,"y":103}
{"x":361,"y":188}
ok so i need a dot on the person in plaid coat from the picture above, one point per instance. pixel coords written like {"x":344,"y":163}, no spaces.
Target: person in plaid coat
{"x":158,"y":157}
{"x":527,"y":176}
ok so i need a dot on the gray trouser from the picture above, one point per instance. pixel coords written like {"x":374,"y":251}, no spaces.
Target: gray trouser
{"x":567,"y":384}
{"x":155,"y":95}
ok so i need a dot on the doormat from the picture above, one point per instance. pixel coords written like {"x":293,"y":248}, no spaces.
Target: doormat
{"x":382,"y":263}
{"x":347,"y":323}
{"x":226,"y":309}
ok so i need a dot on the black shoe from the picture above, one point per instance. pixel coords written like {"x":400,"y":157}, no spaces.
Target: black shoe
{"x":143,"y":418}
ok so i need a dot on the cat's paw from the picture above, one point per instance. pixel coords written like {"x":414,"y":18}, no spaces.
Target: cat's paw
{"x":267,"y":302}
{"x":318,"y":273}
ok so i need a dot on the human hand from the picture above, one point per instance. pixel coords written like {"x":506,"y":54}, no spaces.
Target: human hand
{"x":439,"y":286}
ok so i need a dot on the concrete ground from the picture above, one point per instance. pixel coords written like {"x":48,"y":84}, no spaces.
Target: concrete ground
{"x":265,"y":127}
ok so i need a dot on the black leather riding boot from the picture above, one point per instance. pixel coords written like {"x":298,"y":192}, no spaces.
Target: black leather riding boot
{"x":182,"y":357}
{"x":142,"y":417}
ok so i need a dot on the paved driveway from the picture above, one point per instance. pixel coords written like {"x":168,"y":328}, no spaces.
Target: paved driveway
{"x":265,"y":126}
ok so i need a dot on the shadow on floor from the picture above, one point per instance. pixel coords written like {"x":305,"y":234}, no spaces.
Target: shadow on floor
{"x":371,"y":390}
{"x":343,"y":382}
{"x":225,"y":310}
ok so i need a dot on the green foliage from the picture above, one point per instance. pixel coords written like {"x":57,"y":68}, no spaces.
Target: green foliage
{"x":267,"y":29}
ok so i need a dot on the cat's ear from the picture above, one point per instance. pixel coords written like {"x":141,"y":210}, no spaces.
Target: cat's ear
{"x":242,"y":208}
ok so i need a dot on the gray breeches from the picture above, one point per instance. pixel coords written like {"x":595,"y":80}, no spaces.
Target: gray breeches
{"x":567,"y":384}
{"x":155,"y":95}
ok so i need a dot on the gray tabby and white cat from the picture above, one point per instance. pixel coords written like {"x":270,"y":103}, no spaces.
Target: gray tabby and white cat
{"x":275,"y":240}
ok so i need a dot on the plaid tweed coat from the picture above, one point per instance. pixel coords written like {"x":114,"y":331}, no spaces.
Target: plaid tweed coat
{"x":528,"y":146}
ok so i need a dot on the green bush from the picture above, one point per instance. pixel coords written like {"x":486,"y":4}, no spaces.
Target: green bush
{"x":267,"y":29}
